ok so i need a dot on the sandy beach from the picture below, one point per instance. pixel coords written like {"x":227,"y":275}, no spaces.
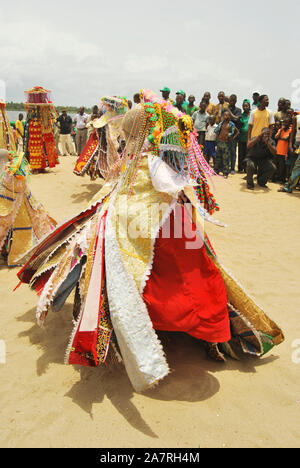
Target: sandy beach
{"x":249,"y":403}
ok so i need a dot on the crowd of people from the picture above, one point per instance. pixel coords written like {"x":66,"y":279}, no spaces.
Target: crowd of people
{"x":251,"y":139}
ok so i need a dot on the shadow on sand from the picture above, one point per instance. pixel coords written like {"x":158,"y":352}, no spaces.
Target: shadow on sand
{"x":190,"y":379}
{"x":88,"y":191}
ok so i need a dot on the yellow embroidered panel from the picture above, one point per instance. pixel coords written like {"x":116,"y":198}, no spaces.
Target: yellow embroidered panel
{"x":247,"y":307}
{"x":136,"y":217}
{"x":22,"y":235}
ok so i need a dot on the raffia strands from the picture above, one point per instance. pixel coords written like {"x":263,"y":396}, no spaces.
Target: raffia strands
{"x":195,"y":153}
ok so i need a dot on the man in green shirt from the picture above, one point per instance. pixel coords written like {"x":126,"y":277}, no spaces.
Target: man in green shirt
{"x":243,"y":136}
{"x":182,"y":93}
{"x":181,"y":104}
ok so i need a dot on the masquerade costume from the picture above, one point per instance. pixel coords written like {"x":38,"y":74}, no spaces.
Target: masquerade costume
{"x":101,"y":152}
{"x":23,"y":221}
{"x":39,"y":142}
{"x":7,"y":140}
{"x":140,"y":260}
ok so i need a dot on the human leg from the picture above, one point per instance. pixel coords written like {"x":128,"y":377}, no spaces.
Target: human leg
{"x":266,"y":169}
{"x":242,"y":151}
{"x":250,"y":170}
{"x":64,"y":148}
{"x":219,"y":158}
{"x":233,"y":145}
{"x":227,"y":153}
{"x":294,"y":178}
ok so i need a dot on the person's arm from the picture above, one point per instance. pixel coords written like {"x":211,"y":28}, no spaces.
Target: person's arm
{"x":18,"y":129}
{"x":249,"y":133}
{"x":236,"y":133}
{"x":253,"y":142}
{"x":292,"y":136}
{"x":250,"y":126}
{"x":271,"y":147}
{"x":218,"y":129}
{"x":72,"y":125}
{"x":232,"y":116}
{"x":57,"y":121}
{"x":236,"y":117}
{"x":290,"y":139}
{"x":277,"y":136}
{"x":272,"y":122}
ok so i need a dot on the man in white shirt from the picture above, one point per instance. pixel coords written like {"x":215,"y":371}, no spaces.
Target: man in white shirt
{"x":80,"y":121}
{"x":200,"y":119}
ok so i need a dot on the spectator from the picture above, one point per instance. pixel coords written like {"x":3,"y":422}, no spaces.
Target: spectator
{"x":276,"y":127}
{"x":66,"y":124}
{"x":260,"y":118}
{"x":166,"y":94}
{"x":294,"y":148}
{"x":226,"y":131}
{"x":243,"y":136}
{"x":219,"y":108}
{"x":180,"y":101}
{"x":129,"y":104}
{"x":210,"y":108}
{"x":191,"y":108}
{"x":184,"y":99}
{"x":210,"y":139}
{"x":280,"y":114}
{"x":56,"y":134}
{"x":13,"y":127}
{"x":137,"y":98}
{"x":94,"y":116}
{"x":261,"y":151}
{"x":19,"y":133}
{"x":288,"y":104}
{"x":283,"y":138}
{"x":294,"y":178}
{"x":80,"y":121}
{"x":255,"y":102}
{"x":289,"y":112}
{"x":184,"y":102}
{"x":235,"y":114}
{"x":200,"y":119}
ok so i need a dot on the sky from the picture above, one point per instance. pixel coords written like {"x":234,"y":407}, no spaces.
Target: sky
{"x":84,"y":50}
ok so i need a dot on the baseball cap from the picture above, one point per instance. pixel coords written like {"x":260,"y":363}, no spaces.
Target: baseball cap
{"x":181,"y":92}
{"x":166,"y":89}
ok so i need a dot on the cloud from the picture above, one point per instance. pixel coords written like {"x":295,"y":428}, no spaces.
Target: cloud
{"x":83,"y":52}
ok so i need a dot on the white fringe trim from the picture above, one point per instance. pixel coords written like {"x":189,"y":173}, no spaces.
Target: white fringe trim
{"x":141,"y":349}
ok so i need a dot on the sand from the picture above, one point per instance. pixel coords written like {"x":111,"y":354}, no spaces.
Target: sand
{"x":251,"y":403}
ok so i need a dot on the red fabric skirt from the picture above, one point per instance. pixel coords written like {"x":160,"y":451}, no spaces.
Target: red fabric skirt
{"x":186,"y":292}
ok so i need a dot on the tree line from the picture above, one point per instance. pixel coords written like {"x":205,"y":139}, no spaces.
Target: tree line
{"x":19,"y":106}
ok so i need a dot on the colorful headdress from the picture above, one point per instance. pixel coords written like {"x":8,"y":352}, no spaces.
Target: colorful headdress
{"x":114,"y":107}
{"x":18,"y":166}
{"x":38,"y":95}
{"x":116,"y":103}
{"x":172,"y":137}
